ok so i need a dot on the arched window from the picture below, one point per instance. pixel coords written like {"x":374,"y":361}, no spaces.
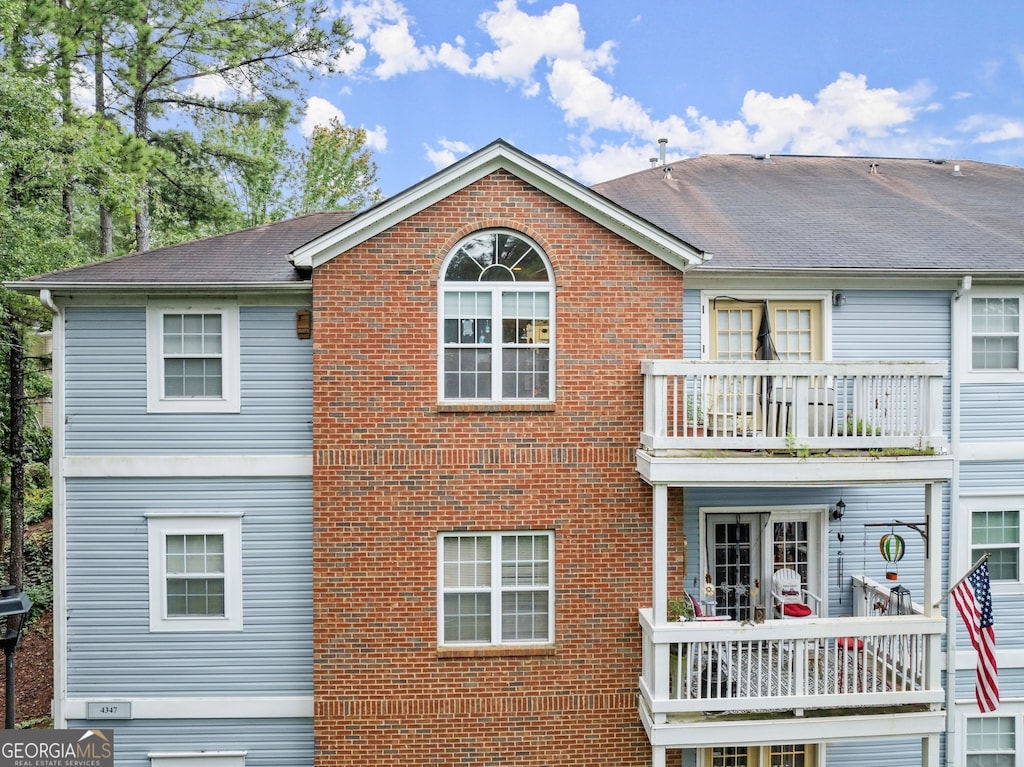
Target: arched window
{"x":497,"y":333}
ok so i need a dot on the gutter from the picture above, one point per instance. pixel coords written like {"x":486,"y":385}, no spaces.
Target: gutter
{"x":162,"y":287}
{"x":60,"y":606}
{"x":962,"y":293}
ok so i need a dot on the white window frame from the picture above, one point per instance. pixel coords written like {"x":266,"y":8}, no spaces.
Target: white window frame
{"x":496,"y":291}
{"x":998,"y":503}
{"x":969,"y":712}
{"x":1006,"y":375}
{"x":198,"y":759}
{"x":495,"y":588}
{"x":230,"y":399}
{"x":227,"y":524}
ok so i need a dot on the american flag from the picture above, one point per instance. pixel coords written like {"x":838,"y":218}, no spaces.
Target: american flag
{"x":973,"y":600}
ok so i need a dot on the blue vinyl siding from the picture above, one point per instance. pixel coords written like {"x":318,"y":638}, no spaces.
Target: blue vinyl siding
{"x":267,"y":743}
{"x":106,"y":389}
{"x":992,"y":477}
{"x":892,"y":325}
{"x":108,"y":591}
{"x":691,"y":325}
{"x":863,"y":753}
{"x":992,"y":411}
{"x":1011,"y":680}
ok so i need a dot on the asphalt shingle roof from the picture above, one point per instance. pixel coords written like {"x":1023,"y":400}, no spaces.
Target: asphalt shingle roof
{"x":812,"y":213}
{"x":258,"y":255}
{"x":783,"y":213}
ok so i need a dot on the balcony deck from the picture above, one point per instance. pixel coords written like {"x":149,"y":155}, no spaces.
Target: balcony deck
{"x":793,"y":408}
{"x":790,"y":675}
{"x":839,"y":422}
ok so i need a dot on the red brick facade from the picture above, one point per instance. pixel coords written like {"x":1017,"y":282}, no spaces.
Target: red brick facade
{"x":392,"y":470}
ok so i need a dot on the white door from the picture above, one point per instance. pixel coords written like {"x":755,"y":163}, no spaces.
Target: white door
{"x":743,"y":548}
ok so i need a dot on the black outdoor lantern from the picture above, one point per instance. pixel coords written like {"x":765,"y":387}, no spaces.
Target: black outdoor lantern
{"x":14,"y":606}
{"x":899,"y":601}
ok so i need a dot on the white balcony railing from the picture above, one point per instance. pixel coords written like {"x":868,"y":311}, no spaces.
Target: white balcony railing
{"x":792,"y":407}
{"x":839,"y":663}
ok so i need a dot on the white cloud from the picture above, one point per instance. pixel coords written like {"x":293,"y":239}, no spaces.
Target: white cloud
{"x":989,"y":129}
{"x":397,"y":49}
{"x":319,"y":112}
{"x":523,"y":41}
{"x":446,"y":153}
{"x":845,"y":117}
{"x":377,"y":139}
{"x":382,"y":28}
{"x":208,"y":87}
{"x":582,"y":96}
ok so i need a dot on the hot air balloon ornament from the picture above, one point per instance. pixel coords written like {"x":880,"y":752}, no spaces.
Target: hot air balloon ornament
{"x":893,"y":547}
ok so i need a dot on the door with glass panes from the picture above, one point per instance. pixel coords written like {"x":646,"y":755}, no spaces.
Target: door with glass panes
{"x":744,"y":548}
{"x":782,"y":755}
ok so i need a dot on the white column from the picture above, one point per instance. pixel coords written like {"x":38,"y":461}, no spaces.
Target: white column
{"x":933,"y":550}
{"x":659,"y":554}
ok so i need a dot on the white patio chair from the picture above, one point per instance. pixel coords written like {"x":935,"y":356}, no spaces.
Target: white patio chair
{"x":789,"y":597}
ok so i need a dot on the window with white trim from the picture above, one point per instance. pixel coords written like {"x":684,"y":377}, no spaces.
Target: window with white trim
{"x":195,"y":572}
{"x":991,"y":742}
{"x":995,"y":530}
{"x":496,"y":588}
{"x":782,"y":755}
{"x":996,"y":334}
{"x":497,"y":323}
{"x":193,"y":358}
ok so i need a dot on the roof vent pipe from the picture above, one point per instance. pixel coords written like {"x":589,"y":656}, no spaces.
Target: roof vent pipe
{"x":654,"y":162}
{"x":662,"y":143}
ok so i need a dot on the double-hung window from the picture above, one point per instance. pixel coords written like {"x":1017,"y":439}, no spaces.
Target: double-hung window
{"x":497,"y":323}
{"x":991,"y":742}
{"x":995,"y":530}
{"x":195,"y":572}
{"x":496,"y":588}
{"x":193,"y":358}
{"x":996,"y":334}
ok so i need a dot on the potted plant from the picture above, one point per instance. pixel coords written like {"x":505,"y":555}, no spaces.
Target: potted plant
{"x":681,"y":608}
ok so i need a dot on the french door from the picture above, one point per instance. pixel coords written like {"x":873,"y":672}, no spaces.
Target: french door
{"x":743,"y":548}
{"x":762,"y":756}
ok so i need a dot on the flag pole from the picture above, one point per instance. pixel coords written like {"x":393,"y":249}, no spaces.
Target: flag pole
{"x":968,"y":574}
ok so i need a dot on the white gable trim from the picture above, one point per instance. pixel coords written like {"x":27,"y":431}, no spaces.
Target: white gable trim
{"x":495,"y":156}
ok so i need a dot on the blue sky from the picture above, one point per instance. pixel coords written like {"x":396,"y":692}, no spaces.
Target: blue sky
{"x":590,"y":86}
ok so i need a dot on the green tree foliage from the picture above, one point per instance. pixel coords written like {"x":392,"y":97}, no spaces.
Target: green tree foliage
{"x":183,"y":59}
{"x":338,"y":171}
{"x":254,"y":157}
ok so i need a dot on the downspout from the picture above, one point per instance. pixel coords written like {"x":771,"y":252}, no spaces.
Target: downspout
{"x":60,"y":654}
{"x":955,"y":354}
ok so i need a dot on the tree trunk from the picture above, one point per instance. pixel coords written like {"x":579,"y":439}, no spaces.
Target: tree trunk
{"x":16,"y":447}
{"x":143,"y":232}
{"x":106,"y":219}
{"x":67,"y":115}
